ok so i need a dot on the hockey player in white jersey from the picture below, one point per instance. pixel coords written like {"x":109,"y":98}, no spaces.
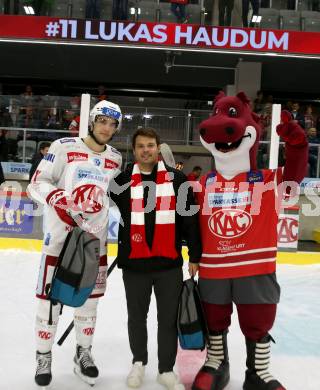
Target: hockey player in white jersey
{"x":72,"y":182}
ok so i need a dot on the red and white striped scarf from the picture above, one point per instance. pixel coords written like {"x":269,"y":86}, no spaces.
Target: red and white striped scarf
{"x":163,"y":244}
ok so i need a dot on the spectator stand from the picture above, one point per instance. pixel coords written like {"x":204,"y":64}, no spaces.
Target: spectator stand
{"x":26,"y":150}
{"x":106,"y":10}
{"x":310,"y":21}
{"x":295,"y":15}
{"x":147,"y":11}
{"x":270,"y":18}
{"x":177,"y":126}
{"x":65,"y":8}
{"x":195,"y":12}
{"x":289,"y":20}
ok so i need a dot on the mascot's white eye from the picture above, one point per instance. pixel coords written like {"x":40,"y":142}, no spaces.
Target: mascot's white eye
{"x":216,"y":111}
{"x":232,"y":112}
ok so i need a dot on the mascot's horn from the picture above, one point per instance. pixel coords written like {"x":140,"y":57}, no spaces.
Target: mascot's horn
{"x":220,"y":95}
{"x":243,"y":97}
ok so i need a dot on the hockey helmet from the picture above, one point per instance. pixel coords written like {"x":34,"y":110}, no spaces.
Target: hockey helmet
{"x":108,"y":109}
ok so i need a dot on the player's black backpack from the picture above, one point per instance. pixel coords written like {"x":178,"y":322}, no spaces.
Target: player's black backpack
{"x":77,"y":269}
{"x":192,"y":328}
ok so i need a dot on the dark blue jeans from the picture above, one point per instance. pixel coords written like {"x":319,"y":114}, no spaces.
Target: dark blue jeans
{"x":179,"y":10}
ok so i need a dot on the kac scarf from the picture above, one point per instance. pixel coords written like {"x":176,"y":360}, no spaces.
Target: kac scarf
{"x":163,"y":244}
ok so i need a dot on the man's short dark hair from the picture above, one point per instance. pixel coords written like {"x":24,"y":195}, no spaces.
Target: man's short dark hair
{"x":44,"y":145}
{"x":145,"y":132}
{"x":197,"y":168}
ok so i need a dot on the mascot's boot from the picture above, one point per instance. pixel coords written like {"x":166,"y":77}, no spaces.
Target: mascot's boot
{"x":257,"y":374}
{"x":214,"y":375}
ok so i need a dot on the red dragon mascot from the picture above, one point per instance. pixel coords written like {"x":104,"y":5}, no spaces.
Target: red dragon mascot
{"x":239,"y":207}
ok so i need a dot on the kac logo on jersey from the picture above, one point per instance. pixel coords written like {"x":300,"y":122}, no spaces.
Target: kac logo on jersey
{"x":89,"y":198}
{"x":44,"y":335}
{"x":287,"y":230}
{"x":137,"y":237}
{"x":229,"y":223}
{"x":88,"y":331}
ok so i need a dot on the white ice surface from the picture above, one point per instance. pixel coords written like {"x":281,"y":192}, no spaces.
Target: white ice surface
{"x":295,"y":357}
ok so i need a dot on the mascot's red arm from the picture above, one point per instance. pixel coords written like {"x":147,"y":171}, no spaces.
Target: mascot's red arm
{"x":296,"y":148}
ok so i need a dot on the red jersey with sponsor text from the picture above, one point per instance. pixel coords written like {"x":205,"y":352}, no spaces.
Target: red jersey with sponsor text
{"x":238,"y":221}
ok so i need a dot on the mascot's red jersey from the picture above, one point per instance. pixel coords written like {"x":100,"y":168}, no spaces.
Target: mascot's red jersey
{"x":239,"y":204}
{"x":238,"y":222}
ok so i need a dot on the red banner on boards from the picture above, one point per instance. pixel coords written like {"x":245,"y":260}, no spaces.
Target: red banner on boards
{"x":159,"y":34}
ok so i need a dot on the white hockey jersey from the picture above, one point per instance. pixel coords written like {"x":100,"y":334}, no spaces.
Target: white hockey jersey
{"x":85,"y":175}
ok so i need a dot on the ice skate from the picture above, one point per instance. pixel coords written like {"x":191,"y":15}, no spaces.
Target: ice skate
{"x":214,"y":375}
{"x":43,"y":371}
{"x":257,"y":374}
{"x":136,"y":375}
{"x":84,"y":365}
